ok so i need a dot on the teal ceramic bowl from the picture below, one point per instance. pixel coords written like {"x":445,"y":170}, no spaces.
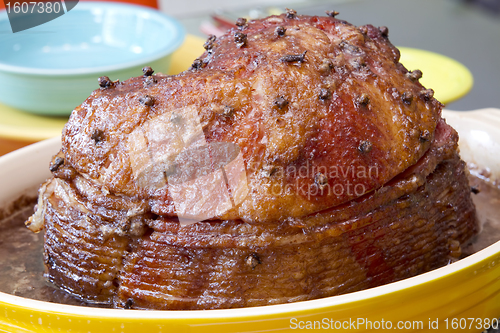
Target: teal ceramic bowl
{"x":52,"y":68}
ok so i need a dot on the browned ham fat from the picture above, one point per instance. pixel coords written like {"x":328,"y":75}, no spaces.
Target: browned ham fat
{"x":296,"y":159}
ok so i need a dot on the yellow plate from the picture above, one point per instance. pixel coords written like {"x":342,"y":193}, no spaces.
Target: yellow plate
{"x":449,"y":79}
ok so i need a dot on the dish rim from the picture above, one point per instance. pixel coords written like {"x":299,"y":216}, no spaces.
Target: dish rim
{"x":459,"y":70}
{"x":177,"y":40}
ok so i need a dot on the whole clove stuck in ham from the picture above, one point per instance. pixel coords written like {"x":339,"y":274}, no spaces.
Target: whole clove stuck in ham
{"x":296,"y":159}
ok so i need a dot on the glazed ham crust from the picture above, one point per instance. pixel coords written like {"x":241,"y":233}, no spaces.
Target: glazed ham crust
{"x":351,"y":178}
{"x":344,"y":102}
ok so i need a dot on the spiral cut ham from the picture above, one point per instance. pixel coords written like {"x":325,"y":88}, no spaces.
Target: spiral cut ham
{"x":296,"y":159}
